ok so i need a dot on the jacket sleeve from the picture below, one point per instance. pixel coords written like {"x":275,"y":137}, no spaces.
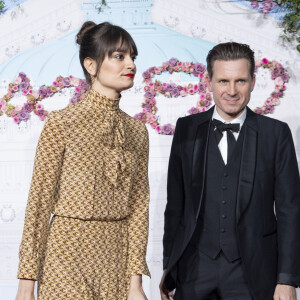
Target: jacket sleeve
{"x":175,"y":196}
{"x":287,"y":206}
{"x":139,"y":218}
{"x":47,"y":165}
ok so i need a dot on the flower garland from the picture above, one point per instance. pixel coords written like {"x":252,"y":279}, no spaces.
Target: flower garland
{"x":280,"y":76}
{"x":148,"y":115}
{"x":22,"y":84}
{"x":149,"y":112}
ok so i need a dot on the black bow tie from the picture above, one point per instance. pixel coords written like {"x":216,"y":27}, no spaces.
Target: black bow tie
{"x":231,"y":141}
{"x":235,"y":127}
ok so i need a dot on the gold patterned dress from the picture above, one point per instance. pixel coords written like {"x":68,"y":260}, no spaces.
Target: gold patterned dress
{"x":91,"y":173}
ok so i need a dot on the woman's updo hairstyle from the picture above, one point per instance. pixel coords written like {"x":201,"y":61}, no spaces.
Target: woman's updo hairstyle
{"x":97,"y":41}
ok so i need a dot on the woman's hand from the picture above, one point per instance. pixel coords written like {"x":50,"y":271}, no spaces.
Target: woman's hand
{"x":25,"y":289}
{"x":136,"y":291}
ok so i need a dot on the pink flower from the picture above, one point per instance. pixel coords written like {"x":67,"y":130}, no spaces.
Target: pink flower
{"x":158,"y":129}
{"x":39,"y":106}
{"x":30,"y":92}
{"x":278,"y":81}
{"x":74,"y":81}
{"x":25,"y":92}
{"x":18,"y":80}
{"x":179,"y":64}
{"x":54,"y":83}
{"x":254,"y":4}
{"x":4,"y":108}
{"x":18,"y":108}
{"x":16,"y":120}
{"x":264,"y":61}
{"x":15,"y":88}
{"x":258,"y":63}
{"x":35,"y":94}
{"x":2,"y":102}
{"x":275,"y":101}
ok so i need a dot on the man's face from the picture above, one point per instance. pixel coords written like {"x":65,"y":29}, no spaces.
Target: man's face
{"x":231,"y":85}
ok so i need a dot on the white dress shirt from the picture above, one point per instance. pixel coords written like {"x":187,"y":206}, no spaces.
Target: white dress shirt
{"x":223,"y":146}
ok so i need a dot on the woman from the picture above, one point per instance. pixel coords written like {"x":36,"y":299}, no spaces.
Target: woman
{"x":91,"y":173}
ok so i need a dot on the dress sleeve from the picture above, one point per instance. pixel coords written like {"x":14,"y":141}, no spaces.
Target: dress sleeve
{"x":47,"y":166}
{"x":139,"y":218}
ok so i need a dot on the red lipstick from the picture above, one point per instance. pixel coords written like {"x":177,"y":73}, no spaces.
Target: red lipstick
{"x":129,"y":75}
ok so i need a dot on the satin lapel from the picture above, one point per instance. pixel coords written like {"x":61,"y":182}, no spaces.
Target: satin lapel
{"x":248,"y":164}
{"x":199,"y":164}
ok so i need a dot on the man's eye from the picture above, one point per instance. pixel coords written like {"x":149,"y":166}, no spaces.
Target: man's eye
{"x":241,"y":81}
{"x":223,"y":81}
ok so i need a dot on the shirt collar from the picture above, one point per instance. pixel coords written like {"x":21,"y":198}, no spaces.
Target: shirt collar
{"x":240,"y":119}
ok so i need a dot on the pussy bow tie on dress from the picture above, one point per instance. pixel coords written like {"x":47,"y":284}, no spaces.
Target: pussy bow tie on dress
{"x":111,"y":129}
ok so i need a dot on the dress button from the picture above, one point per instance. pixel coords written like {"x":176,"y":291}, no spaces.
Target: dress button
{"x":223,"y":202}
{"x":223,"y":216}
{"x":225,"y":174}
{"x":224,"y":187}
{"x":223,"y":230}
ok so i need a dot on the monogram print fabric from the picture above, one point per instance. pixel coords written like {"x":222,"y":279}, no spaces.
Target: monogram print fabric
{"x":91,"y":173}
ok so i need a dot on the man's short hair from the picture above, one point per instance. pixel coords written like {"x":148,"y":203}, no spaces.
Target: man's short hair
{"x":230,"y":51}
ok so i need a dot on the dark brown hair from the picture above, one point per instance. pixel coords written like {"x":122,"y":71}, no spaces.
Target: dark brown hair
{"x":230,"y":51}
{"x":97,"y":41}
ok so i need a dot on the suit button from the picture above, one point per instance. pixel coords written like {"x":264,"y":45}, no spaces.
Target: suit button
{"x":224,"y":187}
{"x":223,"y":202}
{"x":223,"y":216}
{"x":223,"y":230}
{"x":225,"y":174}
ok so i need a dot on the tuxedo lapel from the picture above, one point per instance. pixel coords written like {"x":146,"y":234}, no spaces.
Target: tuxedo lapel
{"x":248,"y":164}
{"x":199,"y":161}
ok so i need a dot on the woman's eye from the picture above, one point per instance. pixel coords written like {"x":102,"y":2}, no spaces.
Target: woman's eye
{"x":133,"y":58}
{"x":119,"y":56}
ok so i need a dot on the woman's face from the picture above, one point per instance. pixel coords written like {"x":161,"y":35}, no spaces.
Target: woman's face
{"x":116,"y":73}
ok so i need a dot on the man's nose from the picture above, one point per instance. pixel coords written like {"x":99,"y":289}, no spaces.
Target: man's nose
{"x":231,"y":89}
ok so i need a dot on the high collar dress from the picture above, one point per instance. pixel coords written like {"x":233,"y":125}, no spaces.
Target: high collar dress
{"x":90,"y":173}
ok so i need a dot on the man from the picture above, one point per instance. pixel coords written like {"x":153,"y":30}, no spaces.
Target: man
{"x":228,"y":168}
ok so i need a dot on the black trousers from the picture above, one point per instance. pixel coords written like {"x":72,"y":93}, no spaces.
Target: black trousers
{"x":203,"y":278}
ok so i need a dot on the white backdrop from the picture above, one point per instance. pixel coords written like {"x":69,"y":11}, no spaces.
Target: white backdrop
{"x":28,"y":35}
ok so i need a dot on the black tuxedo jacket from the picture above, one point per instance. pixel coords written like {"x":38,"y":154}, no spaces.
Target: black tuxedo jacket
{"x":268,"y":240}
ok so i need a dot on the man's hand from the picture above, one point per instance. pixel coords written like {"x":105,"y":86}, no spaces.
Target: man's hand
{"x":285,"y":292}
{"x":164,"y":293}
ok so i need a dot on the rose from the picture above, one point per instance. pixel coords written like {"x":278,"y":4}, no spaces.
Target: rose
{"x":172,"y":62}
{"x":28,"y":107}
{"x":167,"y":129}
{"x":66,"y":81}
{"x":193,"y":111}
{"x":23,"y":115}
{"x":198,"y":69}
{"x":149,"y":95}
